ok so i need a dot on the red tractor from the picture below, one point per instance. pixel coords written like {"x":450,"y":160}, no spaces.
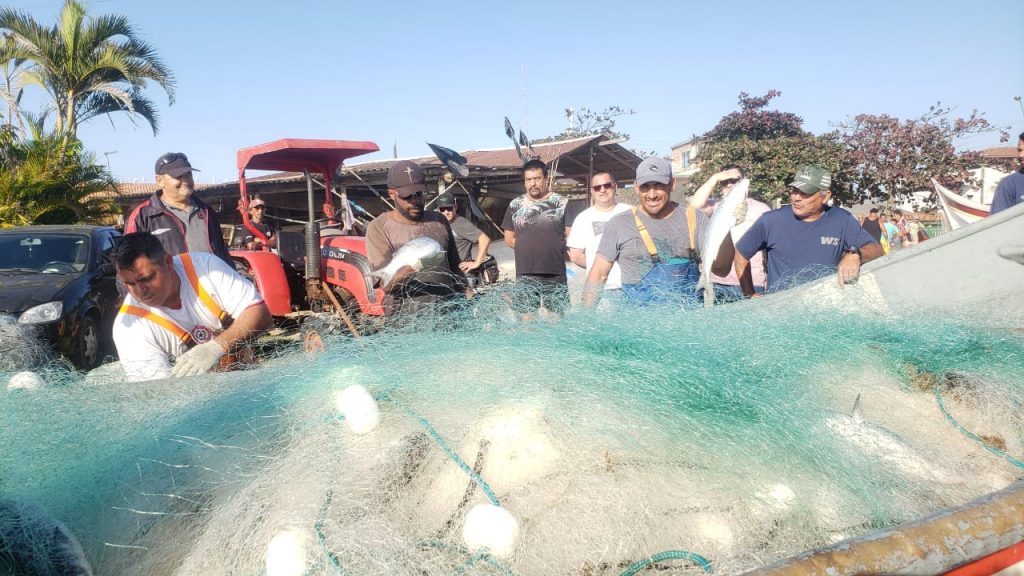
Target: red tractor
{"x":336,"y":275}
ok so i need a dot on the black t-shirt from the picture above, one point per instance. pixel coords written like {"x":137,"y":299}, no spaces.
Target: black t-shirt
{"x":540,"y":234}
{"x":466,"y":236}
{"x":873,"y":227}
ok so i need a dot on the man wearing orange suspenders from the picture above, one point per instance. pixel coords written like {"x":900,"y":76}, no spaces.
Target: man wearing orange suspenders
{"x":182,"y":313}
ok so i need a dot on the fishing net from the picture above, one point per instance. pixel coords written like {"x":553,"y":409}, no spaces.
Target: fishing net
{"x":616,"y":440}
{"x":22,"y":348}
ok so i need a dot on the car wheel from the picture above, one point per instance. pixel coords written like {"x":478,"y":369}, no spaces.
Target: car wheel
{"x":87,"y":345}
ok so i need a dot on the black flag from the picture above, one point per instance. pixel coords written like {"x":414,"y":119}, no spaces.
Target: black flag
{"x":456,"y":162}
{"x":508,"y":129}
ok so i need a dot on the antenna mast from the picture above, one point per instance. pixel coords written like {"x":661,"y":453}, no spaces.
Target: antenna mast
{"x":522,"y":79}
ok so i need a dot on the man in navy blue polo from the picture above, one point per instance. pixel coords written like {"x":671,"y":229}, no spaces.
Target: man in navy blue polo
{"x":806,"y":239}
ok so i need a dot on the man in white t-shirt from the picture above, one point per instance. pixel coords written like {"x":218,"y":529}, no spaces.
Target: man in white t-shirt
{"x":190,"y":309}
{"x":588,"y":227}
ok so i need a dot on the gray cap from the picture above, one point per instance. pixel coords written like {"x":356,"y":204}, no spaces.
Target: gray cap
{"x":654,"y":169}
{"x":406,"y":178}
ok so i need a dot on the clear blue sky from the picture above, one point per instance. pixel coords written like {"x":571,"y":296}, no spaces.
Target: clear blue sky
{"x":448,"y":72}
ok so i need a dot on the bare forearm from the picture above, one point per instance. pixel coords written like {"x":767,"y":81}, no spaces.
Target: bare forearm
{"x":870,"y":251}
{"x":249,"y":324}
{"x":742,"y":266}
{"x":578,"y":257}
{"x":483,"y":244}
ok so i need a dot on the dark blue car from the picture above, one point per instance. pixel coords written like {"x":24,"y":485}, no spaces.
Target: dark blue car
{"x":61,"y":281}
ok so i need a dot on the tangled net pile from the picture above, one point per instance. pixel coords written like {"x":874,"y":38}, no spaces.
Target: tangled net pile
{"x":615,"y":440}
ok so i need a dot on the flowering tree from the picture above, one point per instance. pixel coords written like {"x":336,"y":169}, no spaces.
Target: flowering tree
{"x":888,"y":158}
{"x":770,"y":146}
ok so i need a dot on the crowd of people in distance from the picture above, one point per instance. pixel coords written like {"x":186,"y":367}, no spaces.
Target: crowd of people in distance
{"x":187,"y":308}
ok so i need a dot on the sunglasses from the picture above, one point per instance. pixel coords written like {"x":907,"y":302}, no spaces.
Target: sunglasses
{"x":417,"y":195}
{"x":730,"y":181}
{"x":605,"y":186}
{"x":446,"y":209}
{"x":173,"y":157}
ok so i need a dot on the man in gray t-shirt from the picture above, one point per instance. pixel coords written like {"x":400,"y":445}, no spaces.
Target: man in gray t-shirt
{"x":466,"y":235}
{"x":653,"y":244}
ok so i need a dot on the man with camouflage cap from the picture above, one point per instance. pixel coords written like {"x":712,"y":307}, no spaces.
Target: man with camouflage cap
{"x":805,"y":239}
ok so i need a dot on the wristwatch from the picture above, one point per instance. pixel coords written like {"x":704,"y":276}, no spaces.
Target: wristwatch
{"x":855,"y":251}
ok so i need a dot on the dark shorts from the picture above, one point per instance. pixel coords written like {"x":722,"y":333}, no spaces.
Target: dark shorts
{"x":548,"y":291}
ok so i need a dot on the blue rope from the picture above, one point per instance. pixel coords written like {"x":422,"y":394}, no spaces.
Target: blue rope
{"x":668,"y":555}
{"x":447,"y":450}
{"x":480,"y":555}
{"x":971,"y":435}
{"x":322,"y":538}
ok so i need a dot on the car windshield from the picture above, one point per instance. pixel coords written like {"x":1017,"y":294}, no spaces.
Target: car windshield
{"x":45,"y":253}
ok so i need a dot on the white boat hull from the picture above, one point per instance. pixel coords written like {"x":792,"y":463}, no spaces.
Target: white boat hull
{"x":958,"y":210}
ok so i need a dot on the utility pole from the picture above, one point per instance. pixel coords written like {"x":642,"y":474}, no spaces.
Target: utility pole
{"x":107,"y":156}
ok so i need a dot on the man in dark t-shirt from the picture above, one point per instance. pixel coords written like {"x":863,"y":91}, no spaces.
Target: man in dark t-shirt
{"x":872,"y":225}
{"x":534,"y":226}
{"x":466,"y":235}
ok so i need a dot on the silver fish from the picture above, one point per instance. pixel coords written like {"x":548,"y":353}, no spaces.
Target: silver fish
{"x":417,"y":253}
{"x":722,"y":222}
{"x":886,"y":446}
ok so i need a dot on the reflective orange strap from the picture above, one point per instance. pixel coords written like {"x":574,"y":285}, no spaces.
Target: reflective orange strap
{"x":173,"y":328}
{"x":193,"y":279}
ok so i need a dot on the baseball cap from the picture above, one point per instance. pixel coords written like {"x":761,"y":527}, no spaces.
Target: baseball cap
{"x":811,"y":179}
{"x":174,"y":164}
{"x":257,"y":202}
{"x":445,"y":200}
{"x":654,"y":169}
{"x":406,"y":178}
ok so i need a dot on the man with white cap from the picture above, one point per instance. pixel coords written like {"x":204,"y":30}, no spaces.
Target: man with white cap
{"x":434,"y":281}
{"x":181,"y":221}
{"x":657,"y":245}
{"x":806,"y":239}
{"x":257,"y":208}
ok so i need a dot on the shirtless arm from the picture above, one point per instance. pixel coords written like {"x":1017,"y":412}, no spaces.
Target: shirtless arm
{"x":595,"y":281}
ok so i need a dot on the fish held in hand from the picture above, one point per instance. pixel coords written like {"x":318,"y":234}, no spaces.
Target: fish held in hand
{"x":417,"y":254}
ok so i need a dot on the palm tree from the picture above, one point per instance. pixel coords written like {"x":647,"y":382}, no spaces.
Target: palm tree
{"x":88,"y":66}
{"x":45,"y":181}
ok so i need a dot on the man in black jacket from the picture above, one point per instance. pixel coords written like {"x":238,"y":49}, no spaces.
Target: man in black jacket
{"x":181,"y":221}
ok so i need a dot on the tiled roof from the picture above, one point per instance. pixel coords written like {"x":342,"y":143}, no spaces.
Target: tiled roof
{"x":492,"y":158}
{"x":999,"y":152}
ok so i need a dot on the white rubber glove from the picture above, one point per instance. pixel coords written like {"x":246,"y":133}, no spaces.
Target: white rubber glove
{"x":740,"y":212}
{"x":198,"y":360}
